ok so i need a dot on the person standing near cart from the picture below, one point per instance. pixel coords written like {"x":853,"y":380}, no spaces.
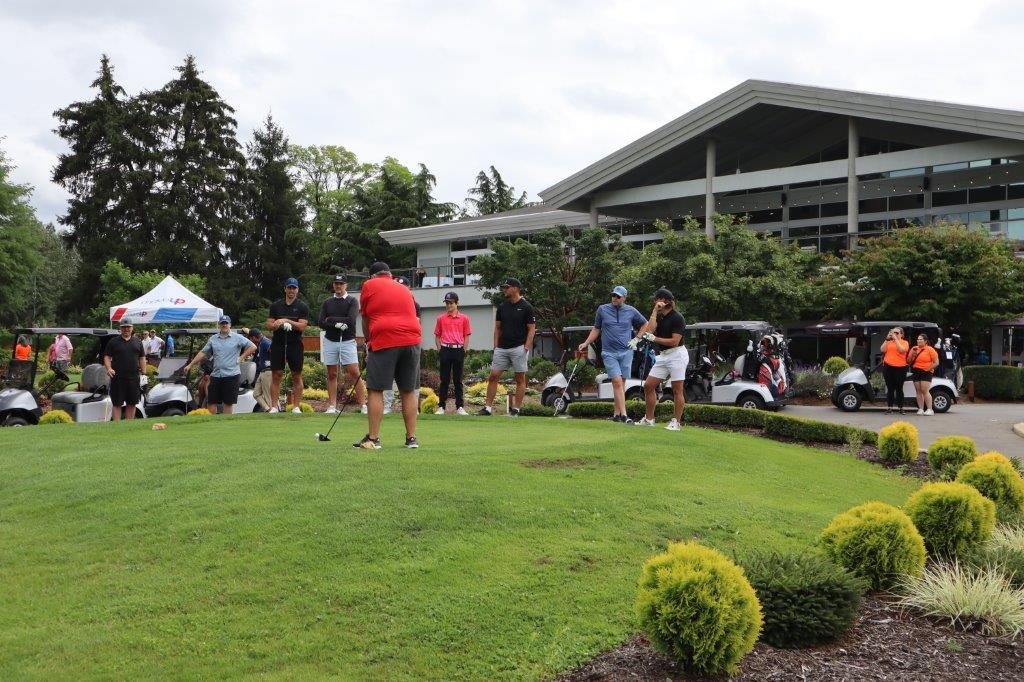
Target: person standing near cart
{"x":288,"y":319}
{"x":894,"y":368}
{"x":337,"y":318}
{"x":227,"y":349}
{"x":923,"y":360}
{"x":665,"y":330}
{"x":451,"y":336}
{"x":615,"y":323}
{"x":125,"y":362}
{"x":515,"y":323}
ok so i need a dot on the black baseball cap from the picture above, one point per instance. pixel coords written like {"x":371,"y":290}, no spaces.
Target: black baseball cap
{"x":254,"y":331}
{"x":512,"y":282}
{"x":451,"y":296}
{"x":664,"y":294}
{"x":339,"y":279}
{"x":379,"y":267}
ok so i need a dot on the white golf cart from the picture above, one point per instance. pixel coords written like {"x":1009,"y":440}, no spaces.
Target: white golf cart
{"x":733,"y":348}
{"x":853,"y":385}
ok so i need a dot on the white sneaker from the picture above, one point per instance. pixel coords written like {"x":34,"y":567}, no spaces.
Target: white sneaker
{"x":920,"y":411}
{"x":387,"y":410}
{"x":273,"y":410}
{"x":929,"y":413}
{"x":439,"y":410}
{"x":672,"y":426}
{"x":296,"y":410}
{"x":644,"y":421}
{"x":362,"y":410}
{"x":331,"y":410}
{"x":462,"y":412}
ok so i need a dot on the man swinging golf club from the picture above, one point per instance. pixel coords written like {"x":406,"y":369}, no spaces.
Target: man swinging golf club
{"x":614,"y":322}
{"x":288,"y":318}
{"x":665,"y":330}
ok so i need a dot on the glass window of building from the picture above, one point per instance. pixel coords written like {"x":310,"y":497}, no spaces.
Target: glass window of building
{"x":982,"y":194}
{"x":906,"y":202}
{"x":951,"y":198}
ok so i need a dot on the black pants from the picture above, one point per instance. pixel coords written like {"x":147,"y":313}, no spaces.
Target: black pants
{"x":451,"y":369}
{"x":894,"y":378}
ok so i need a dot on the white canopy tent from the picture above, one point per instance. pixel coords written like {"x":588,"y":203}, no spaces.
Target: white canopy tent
{"x":167,"y":302}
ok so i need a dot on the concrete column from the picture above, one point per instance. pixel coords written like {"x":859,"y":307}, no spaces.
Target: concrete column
{"x":593,"y":212}
{"x":709,"y":194}
{"x":852,"y":186}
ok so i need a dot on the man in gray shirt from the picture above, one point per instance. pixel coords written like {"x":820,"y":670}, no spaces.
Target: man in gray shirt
{"x":227,"y":350}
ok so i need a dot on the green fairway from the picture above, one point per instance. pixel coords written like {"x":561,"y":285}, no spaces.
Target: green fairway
{"x":501,"y":549}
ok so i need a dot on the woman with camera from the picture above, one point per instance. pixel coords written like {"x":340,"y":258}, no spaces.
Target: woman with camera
{"x":894,"y":368}
{"x":923,"y":360}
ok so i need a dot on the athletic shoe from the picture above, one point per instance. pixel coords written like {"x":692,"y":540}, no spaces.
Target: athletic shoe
{"x":617,"y":418}
{"x":644,"y":421}
{"x":920,"y":411}
{"x":367,"y":443}
{"x":331,"y":410}
{"x":273,"y":410}
{"x":462,"y":412}
{"x":411,"y":442}
{"x":439,"y":410}
{"x":362,"y":410}
{"x":672,"y":426}
{"x":627,"y":420}
{"x":929,"y":413}
{"x":296,"y":410}
{"x":484,"y":412}
{"x":514,"y":412}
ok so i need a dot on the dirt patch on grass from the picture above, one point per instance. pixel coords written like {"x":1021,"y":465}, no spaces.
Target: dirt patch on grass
{"x":884,"y":644}
{"x":565,"y":463}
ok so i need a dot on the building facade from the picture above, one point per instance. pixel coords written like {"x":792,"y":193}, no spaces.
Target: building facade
{"x":815,"y":166}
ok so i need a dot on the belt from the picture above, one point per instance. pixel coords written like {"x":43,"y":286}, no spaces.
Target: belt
{"x":452,"y":345}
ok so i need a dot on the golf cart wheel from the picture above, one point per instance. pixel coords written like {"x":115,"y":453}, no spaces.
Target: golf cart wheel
{"x":635,"y":393}
{"x":848,"y":400}
{"x":942,"y":400}
{"x":548,"y":399}
{"x":16,"y":421}
{"x":750,"y":401}
{"x":173,"y":412}
{"x":561,"y":404}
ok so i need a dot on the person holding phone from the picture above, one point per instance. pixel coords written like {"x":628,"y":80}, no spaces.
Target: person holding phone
{"x":923,"y":360}
{"x":894,"y":368}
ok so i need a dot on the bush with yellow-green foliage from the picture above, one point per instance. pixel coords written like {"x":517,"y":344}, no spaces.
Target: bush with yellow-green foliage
{"x":875,"y":541}
{"x":995,"y":477}
{"x":427,"y":392}
{"x":306,"y":408}
{"x":56,"y":417}
{"x":478,"y":391}
{"x":948,"y":454}
{"x":898,"y":443}
{"x":200,"y":414}
{"x":834,"y":365}
{"x":698,"y":607}
{"x":429,"y":404}
{"x":953,"y":518}
{"x":314,"y":394}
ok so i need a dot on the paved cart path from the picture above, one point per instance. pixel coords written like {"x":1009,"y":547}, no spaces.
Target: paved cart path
{"x":989,"y":424}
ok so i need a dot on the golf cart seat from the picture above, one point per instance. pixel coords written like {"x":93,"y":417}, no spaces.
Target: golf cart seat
{"x":19,"y":374}
{"x":248,"y":375}
{"x":92,"y":388}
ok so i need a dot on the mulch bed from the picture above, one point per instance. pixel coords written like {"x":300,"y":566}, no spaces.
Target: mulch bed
{"x":884,"y":644}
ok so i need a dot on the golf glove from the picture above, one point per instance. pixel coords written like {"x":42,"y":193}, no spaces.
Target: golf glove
{"x":341,"y":325}
{"x":286,"y":326}
{"x":633,"y":343}
{"x":649,"y":336}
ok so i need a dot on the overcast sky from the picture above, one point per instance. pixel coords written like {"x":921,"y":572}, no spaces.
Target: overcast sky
{"x":537,"y":88}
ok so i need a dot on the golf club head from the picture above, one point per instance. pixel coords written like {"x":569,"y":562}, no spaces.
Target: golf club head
{"x":322,"y":437}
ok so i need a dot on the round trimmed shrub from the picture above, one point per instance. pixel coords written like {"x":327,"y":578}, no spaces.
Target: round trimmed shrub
{"x":875,"y":541}
{"x":314,"y":393}
{"x":953,"y":518}
{"x":314,"y":375}
{"x":697,"y":606}
{"x":306,"y":408}
{"x":948,"y":454}
{"x":200,"y":412}
{"x":56,"y":417}
{"x":806,"y":599}
{"x":898,"y":443}
{"x":994,"y":476}
{"x":429,"y":404}
{"x":834,"y":365}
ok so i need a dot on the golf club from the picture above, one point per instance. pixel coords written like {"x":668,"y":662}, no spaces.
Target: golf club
{"x":325,"y":437}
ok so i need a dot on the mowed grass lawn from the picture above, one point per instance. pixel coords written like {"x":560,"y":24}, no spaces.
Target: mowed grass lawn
{"x":241,"y":546}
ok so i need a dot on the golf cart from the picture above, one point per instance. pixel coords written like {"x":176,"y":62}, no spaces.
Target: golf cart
{"x":853,"y":385}
{"x":737,"y":348}
{"x":563,"y":387}
{"x":171,"y":396}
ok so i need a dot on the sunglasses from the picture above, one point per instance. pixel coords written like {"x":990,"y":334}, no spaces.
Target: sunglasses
{"x":616,"y":296}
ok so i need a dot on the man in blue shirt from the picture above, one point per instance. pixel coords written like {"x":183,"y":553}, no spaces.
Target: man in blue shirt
{"x":227,"y":349}
{"x":261,"y":388}
{"x":614,"y":323}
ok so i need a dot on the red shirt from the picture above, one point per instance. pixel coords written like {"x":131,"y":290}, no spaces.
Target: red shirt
{"x":391,"y":311}
{"x":453,"y":329}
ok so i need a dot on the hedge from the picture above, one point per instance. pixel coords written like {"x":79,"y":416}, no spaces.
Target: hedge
{"x":814,"y":431}
{"x":534,"y":410}
{"x":999,"y":382}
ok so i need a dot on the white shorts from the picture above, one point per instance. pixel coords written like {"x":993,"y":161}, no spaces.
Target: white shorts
{"x":672,"y":365}
{"x":338,"y":352}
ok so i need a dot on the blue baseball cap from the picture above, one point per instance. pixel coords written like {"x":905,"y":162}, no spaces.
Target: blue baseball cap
{"x":224,"y":319}
{"x":291,"y":282}
{"x":620,"y":291}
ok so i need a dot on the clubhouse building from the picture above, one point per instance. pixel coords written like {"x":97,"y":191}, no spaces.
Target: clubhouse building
{"x":815,"y":166}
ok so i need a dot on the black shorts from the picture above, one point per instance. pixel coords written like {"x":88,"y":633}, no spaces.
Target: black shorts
{"x":400,"y":365}
{"x":125,"y":390}
{"x":294,"y":358}
{"x":920,"y":375}
{"x":223,"y":390}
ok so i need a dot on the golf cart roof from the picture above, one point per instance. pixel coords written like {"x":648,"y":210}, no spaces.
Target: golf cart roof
{"x":852,"y":327}
{"x":732,"y":325}
{"x":69,"y":331}
{"x":192,"y":332}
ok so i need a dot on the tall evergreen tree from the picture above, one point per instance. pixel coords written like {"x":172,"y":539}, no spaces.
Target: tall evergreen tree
{"x":430,"y":212}
{"x":20,"y":243}
{"x":492,"y":194}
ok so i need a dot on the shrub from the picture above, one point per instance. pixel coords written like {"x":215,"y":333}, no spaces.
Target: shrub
{"x":949,"y":453}
{"x":151,"y":371}
{"x":586,"y":373}
{"x":306,"y":408}
{"x":697,"y":606}
{"x":812,"y":383}
{"x":968,"y":596}
{"x":431,"y":379}
{"x":56,"y":417}
{"x":199,"y":412}
{"x":430,"y":359}
{"x":1004,"y":551}
{"x":812,"y":431}
{"x":477,"y":360}
{"x":314,"y":375}
{"x":996,"y":382}
{"x":535,"y":410}
{"x":995,"y":478}
{"x":637,"y":409}
{"x":875,"y":541}
{"x":721,"y":414}
{"x":805,"y":598}
{"x":314,"y":394}
{"x":429,"y":404}
{"x":50,"y":385}
{"x":953,"y":518}
{"x":898,"y":443}
{"x":541,"y":369}
{"x":478,"y":391}
{"x":834,"y":365}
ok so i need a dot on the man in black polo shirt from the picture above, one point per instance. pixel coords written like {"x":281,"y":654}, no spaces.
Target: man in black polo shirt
{"x":337,"y":318}
{"x":125,"y":362}
{"x":665,"y":330}
{"x":515,"y":323}
{"x":288,"y":318}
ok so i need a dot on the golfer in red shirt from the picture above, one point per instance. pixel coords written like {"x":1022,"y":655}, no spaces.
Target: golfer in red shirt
{"x":451,"y":335}
{"x":393,"y":335}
